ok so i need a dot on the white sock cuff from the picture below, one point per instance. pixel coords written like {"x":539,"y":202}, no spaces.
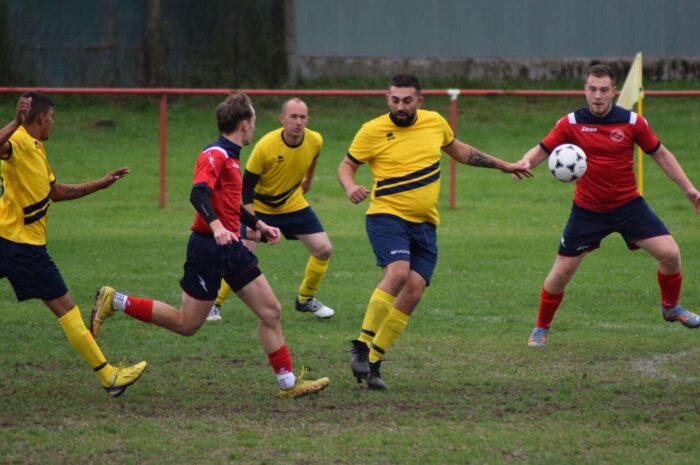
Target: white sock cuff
{"x":119,"y":302}
{"x":286,"y":380}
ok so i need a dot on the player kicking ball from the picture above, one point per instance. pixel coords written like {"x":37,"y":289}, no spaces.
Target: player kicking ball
{"x":606,"y":199}
{"x":214,"y":252}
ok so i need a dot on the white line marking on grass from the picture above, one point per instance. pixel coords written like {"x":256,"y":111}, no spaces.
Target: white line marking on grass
{"x":655,"y":367}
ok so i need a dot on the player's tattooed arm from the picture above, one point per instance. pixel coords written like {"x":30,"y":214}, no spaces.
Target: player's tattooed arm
{"x":479,"y":159}
{"x":61,"y":192}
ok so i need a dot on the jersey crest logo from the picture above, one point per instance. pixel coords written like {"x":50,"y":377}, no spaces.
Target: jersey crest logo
{"x":280,"y":159}
{"x":390,"y":136}
{"x":616,"y":135}
{"x":235,"y":165}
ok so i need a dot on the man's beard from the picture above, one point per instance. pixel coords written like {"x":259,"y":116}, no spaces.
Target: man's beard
{"x":409,"y":120}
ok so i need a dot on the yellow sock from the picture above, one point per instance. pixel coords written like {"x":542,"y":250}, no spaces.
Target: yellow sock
{"x":83,"y":342}
{"x":377,"y":310}
{"x":388,"y":333}
{"x":315,"y":271}
{"x":224,"y":292}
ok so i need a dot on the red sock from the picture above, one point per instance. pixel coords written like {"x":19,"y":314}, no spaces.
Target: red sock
{"x":549,"y":303}
{"x":280,"y":360}
{"x":141,"y":309}
{"x":670,"y":285}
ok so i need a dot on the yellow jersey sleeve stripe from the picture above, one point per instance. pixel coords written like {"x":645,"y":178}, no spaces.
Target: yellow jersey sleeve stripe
{"x":408,"y":186}
{"x":416,"y":174}
{"x":36,"y":206}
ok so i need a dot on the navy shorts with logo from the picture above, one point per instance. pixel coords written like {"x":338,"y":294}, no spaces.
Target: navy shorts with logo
{"x":291,"y":224}
{"x":31,"y":272}
{"x":393,"y":238}
{"x":586,"y":228}
{"x":207,"y":262}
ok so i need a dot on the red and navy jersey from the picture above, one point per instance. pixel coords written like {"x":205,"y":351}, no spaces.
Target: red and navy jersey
{"x":609,"y":146}
{"x":218,"y":170}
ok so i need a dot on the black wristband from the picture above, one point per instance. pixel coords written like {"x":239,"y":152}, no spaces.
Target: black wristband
{"x":248,"y":219}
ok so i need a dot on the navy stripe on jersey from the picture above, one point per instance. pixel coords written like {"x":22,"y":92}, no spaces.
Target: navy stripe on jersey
{"x":353,"y":159}
{"x":617,"y":115}
{"x":407,"y":187}
{"x":656,"y":147}
{"x":36,"y":206}
{"x":202,"y":185}
{"x":275,"y":201}
{"x":408,"y":177}
{"x":36,"y":217}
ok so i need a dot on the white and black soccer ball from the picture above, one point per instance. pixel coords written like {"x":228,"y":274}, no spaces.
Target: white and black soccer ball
{"x":567,"y":162}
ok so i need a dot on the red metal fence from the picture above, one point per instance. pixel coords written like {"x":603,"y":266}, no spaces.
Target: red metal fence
{"x":453,"y":94}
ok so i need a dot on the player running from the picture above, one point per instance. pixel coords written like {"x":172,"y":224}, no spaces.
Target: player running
{"x":278,"y":174}
{"x":606,"y":199}
{"x":27,"y":188}
{"x":215,"y":252}
{"x":402,"y":149}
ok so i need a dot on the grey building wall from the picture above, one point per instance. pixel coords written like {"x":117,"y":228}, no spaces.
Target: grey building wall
{"x":489,"y":38}
{"x":179,"y":43}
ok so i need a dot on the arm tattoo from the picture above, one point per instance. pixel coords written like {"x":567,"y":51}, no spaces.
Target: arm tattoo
{"x":477,"y":158}
{"x":74,"y":191}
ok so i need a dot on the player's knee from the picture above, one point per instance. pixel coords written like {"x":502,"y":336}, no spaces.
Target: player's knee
{"x":558,"y":280}
{"x":324,"y":252}
{"x":188,"y":329}
{"x":671,"y":259}
{"x":396,"y":280}
{"x":271,"y":315}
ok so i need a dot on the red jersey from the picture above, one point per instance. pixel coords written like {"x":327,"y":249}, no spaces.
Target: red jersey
{"x":609,"y":146}
{"x":218,"y":170}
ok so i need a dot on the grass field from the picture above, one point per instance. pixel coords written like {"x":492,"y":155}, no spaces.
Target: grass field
{"x":616,"y":384}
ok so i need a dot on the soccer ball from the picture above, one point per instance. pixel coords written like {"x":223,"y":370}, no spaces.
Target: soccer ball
{"x":567,"y":162}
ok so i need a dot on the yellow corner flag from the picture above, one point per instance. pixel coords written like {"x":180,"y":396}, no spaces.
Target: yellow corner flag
{"x":632,"y":89}
{"x":633,"y":92}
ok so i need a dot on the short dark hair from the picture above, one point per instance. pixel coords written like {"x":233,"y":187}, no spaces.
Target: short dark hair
{"x":40,"y":104}
{"x":601,"y":71}
{"x":229,"y":113}
{"x":405,"y":80}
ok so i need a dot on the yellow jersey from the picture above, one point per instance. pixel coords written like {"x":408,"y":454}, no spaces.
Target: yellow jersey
{"x":281,"y":168}
{"x":26,"y":178}
{"x":405,"y":164}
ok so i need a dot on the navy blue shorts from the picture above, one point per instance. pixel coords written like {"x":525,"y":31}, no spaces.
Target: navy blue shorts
{"x":31,"y":272}
{"x":586,"y":229}
{"x":291,"y":224}
{"x":207,"y":262}
{"x":393,"y":238}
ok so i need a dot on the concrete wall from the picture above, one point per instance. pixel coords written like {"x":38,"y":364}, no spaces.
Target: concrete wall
{"x":534,"y":39}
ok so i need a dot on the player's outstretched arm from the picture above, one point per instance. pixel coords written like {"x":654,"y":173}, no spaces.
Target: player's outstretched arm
{"x":468,"y":155}
{"x":346,"y":176}
{"x":23,"y":106}
{"x":669,"y":165}
{"x":533,"y":157}
{"x":61,"y":192}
